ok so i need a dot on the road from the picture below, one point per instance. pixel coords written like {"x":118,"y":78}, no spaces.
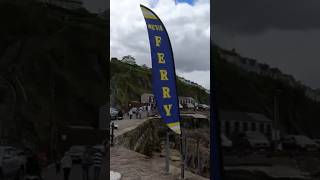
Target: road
{"x":132,"y":165}
{"x":126,"y":125}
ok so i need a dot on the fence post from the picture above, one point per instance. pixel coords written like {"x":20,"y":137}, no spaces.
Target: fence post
{"x":198,"y":156}
{"x":112,"y":133}
{"x":167,"y":152}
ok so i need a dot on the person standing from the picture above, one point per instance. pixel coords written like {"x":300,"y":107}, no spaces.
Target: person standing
{"x":66,"y":163}
{"x":97,"y":163}
{"x":33,"y":167}
{"x":140,"y":112}
{"x":86,"y":163}
{"x":57,"y":164}
{"x":130,"y":113}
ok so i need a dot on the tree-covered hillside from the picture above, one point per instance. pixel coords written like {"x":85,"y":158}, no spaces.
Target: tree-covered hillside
{"x":128,"y":82}
{"x":240,"y":90}
{"x":54,"y":69}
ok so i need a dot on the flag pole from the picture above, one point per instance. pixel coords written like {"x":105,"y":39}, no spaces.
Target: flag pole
{"x":177,"y":100}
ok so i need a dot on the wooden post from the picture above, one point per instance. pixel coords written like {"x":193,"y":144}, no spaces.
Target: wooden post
{"x":182,"y":154}
{"x":198,"y":156}
{"x":167,"y":152}
{"x":112,"y":133}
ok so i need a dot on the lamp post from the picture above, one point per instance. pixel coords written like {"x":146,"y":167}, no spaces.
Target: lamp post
{"x":276,"y":131}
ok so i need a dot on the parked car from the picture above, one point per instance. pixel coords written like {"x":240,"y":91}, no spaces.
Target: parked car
{"x":225,"y":142}
{"x":120,"y":115}
{"x":299,"y":142}
{"x":113,"y":113}
{"x":23,"y":158}
{"x":76,"y":152}
{"x":257,"y":140}
{"x":10,"y":162}
{"x":203,"y":107}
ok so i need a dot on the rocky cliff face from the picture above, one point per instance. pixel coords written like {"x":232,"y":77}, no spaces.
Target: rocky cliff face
{"x":149,"y":138}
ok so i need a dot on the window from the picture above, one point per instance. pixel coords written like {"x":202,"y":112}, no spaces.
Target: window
{"x":262,"y":127}
{"x":245,"y":126}
{"x":227,"y":128}
{"x":236,"y":126}
{"x":269,"y":129}
{"x":253,"y":126}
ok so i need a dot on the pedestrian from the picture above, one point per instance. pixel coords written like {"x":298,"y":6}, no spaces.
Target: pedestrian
{"x":86,"y":163}
{"x":140,"y":113}
{"x":33,"y":167}
{"x":57,"y":164}
{"x":130,"y":113}
{"x":66,"y":163}
{"x":136,"y":112}
{"x":97,"y":163}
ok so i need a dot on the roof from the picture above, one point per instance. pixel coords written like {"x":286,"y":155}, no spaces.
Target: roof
{"x":242,"y":116}
{"x":147,"y":94}
{"x":195,"y":116}
{"x":259,"y":117}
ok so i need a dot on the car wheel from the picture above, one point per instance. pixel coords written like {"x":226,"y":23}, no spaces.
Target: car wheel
{"x":19,"y":174}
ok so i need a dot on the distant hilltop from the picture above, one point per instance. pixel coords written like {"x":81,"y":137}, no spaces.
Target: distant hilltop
{"x":128,"y":81}
{"x":252,"y":65}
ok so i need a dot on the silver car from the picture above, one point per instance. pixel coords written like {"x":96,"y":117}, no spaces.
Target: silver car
{"x":113,"y":113}
{"x":10,"y":162}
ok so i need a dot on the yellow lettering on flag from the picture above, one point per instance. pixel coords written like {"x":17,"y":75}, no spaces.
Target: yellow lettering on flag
{"x":166,"y":92}
{"x":158,"y":40}
{"x":161,"y":58}
{"x":167,"y":108}
{"x":163,"y":74}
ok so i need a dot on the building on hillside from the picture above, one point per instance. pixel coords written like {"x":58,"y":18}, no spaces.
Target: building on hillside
{"x":104,"y":15}
{"x":147,"y":98}
{"x":129,"y":60}
{"x":114,"y":59}
{"x":238,"y":122}
{"x":67,"y":4}
{"x":144,"y":66}
{"x":185,"y":100}
{"x":188,"y":102}
{"x":312,"y":94}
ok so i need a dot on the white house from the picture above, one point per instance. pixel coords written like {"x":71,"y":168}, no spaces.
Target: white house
{"x":239,"y":122}
{"x":129,"y":60}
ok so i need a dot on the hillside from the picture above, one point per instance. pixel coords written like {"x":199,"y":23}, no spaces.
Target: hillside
{"x":241,"y":90}
{"x":128,"y":82}
{"x":54,"y":70}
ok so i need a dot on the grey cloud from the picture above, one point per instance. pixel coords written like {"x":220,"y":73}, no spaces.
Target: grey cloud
{"x":257,"y":16}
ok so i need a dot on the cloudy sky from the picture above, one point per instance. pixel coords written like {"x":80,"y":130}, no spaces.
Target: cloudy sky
{"x":281,"y":33}
{"x":188,"y":26}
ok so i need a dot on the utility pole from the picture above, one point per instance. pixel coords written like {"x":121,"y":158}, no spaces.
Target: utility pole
{"x":53,"y":143}
{"x":276,"y":131}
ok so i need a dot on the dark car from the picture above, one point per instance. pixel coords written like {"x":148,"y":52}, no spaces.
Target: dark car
{"x":120,"y":115}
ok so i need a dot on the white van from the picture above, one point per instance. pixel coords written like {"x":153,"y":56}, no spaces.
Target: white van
{"x":257,"y":140}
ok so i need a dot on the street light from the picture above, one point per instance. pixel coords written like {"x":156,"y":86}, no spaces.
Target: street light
{"x":276,"y":130}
